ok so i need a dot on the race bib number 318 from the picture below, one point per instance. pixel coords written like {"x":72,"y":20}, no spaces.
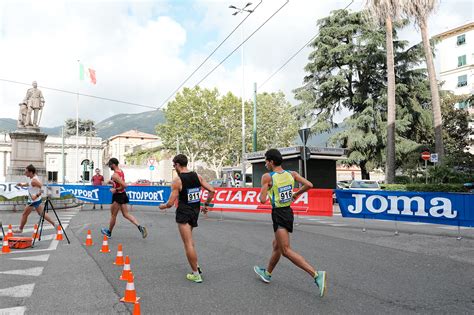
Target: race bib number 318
{"x":194,"y":195}
{"x":285,"y":193}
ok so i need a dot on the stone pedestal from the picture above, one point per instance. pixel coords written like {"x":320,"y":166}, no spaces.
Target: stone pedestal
{"x":27,"y":148}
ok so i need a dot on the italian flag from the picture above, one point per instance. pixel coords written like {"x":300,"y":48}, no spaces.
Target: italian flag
{"x":86,"y":71}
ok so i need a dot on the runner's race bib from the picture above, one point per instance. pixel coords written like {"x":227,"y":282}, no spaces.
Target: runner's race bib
{"x":194,"y":195}
{"x":285,"y":193}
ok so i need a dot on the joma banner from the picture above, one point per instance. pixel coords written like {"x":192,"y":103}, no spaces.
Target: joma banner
{"x":436,"y":208}
{"x":314,"y":202}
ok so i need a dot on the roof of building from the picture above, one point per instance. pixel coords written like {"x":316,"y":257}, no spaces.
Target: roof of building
{"x":455,"y":31}
{"x":135,"y":134}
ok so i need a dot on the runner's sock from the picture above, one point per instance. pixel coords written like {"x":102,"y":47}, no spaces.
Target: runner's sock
{"x":196,"y":273}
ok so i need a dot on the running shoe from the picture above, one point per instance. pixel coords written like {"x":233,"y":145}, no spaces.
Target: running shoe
{"x":143,"y":231}
{"x":320,"y":281}
{"x":194,"y":278}
{"x":263,"y":274}
{"x":106,"y":232}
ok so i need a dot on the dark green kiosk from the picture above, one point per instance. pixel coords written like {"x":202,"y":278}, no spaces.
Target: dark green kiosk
{"x":320,"y":164}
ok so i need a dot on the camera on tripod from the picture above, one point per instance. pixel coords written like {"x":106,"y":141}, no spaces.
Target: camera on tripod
{"x":52,"y":191}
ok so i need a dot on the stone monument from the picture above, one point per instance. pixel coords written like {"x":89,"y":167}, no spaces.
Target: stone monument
{"x":27,"y":140}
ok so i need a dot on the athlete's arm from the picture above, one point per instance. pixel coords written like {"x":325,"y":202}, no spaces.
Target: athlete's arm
{"x":36,"y":183}
{"x":266,"y":184}
{"x":175,"y":188}
{"x":211,"y":191}
{"x":306,"y":184}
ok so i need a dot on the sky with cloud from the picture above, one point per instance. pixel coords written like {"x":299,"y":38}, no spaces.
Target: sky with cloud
{"x":143,"y":50}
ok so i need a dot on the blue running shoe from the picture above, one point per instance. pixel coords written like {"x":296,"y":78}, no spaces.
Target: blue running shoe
{"x":320,"y":281}
{"x":263,"y":274}
{"x":106,"y":232}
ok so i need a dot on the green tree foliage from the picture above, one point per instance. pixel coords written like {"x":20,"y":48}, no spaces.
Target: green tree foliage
{"x":86,"y":127}
{"x":348,"y":71}
{"x":208,"y":126}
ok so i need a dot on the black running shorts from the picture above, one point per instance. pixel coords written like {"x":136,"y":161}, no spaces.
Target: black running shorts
{"x":186,"y":214}
{"x":282,"y":218}
{"x":120,"y":198}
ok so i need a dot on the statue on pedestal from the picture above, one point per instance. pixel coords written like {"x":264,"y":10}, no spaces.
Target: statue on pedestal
{"x":34,"y":101}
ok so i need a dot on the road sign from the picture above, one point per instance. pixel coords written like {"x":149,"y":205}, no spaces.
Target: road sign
{"x":151,"y":162}
{"x":425,"y":155}
{"x":152,"y":168}
{"x":434,"y":158}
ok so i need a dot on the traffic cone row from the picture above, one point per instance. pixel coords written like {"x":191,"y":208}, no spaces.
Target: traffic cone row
{"x":59,"y":235}
{"x":89,"y":238}
{"x":35,"y":232}
{"x":5,"y":247}
{"x":105,"y":245}
{"x":119,"y":258}
{"x":130,"y":295}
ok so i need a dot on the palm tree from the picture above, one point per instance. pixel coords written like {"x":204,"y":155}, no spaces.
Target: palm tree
{"x":419,"y":10}
{"x":383,"y":12}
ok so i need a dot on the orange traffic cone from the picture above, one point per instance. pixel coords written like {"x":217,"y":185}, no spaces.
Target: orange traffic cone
{"x":136,"y":308}
{"x":10,"y":231}
{"x":5,"y":247}
{"x":89,"y":238}
{"x":126,"y":270}
{"x":35,"y":232}
{"x":59,"y":235}
{"x":105,"y":245}
{"x":130,"y":294}
{"x":119,"y":258}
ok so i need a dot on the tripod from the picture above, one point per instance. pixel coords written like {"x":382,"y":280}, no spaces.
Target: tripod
{"x":48,"y":205}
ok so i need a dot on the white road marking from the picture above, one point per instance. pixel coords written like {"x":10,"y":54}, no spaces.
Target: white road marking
{"x":20,"y":310}
{"x":33,"y":258}
{"x":35,"y":272}
{"x":20,"y":291}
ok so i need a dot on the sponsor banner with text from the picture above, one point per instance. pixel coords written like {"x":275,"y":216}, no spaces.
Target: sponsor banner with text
{"x":427,"y":207}
{"x":316,"y":202}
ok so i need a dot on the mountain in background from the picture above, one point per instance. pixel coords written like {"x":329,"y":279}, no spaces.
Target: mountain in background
{"x":144,"y":122}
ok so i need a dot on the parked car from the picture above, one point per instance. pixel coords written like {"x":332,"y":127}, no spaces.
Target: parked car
{"x":217,"y":183}
{"x":342,"y":184}
{"x":364,"y":184}
{"x":141,"y":182}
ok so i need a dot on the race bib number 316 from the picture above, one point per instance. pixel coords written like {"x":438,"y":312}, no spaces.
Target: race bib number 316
{"x":194,"y":195}
{"x":285,"y":193}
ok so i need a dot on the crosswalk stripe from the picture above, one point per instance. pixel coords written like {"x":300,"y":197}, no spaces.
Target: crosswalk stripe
{"x":20,"y":291}
{"x":338,"y":224}
{"x":44,"y":257}
{"x":20,"y":310}
{"x":35,"y":272}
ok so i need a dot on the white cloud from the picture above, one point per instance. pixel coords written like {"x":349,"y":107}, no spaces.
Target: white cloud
{"x":137,"y":47}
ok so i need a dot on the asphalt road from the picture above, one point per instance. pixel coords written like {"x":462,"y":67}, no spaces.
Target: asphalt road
{"x":423,"y":269}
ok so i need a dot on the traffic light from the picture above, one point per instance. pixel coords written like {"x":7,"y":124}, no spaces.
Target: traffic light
{"x":91,"y":165}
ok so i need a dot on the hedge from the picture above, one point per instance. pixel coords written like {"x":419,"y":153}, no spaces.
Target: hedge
{"x":425,"y":187}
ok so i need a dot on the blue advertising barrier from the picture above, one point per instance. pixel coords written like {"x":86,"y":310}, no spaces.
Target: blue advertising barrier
{"x":138,"y":195}
{"x":428,"y":207}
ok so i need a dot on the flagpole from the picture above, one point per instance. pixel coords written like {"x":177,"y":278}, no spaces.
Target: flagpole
{"x":77,"y":126}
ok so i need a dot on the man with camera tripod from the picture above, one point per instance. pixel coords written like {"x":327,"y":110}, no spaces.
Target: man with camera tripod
{"x":34,"y":198}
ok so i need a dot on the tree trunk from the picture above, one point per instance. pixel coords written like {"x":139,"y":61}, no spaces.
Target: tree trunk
{"x":364,"y":173}
{"x":435,"y":102}
{"x":391,"y":106}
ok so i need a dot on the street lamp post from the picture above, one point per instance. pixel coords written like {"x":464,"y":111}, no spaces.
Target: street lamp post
{"x":238,"y":11}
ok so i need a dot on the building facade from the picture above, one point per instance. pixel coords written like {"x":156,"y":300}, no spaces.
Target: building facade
{"x":89,"y":154}
{"x":455,"y":51}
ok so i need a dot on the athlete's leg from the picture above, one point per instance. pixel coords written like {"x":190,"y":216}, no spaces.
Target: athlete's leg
{"x":276,"y":254}
{"x":24,"y":219}
{"x":46,"y":216}
{"x":282,"y":237}
{"x":114,"y":209}
{"x":127,"y":215}
{"x":186,"y":232}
